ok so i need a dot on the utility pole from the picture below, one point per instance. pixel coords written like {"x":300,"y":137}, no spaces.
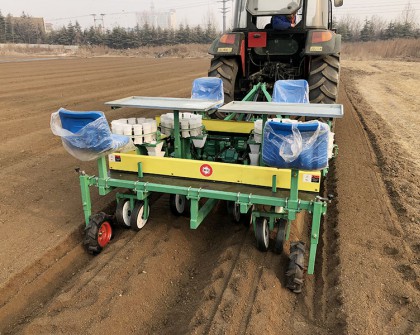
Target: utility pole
{"x":224,"y":10}
{"x":103,"y":23}
{"x":94,"y":20}
{"x":101,"y":26}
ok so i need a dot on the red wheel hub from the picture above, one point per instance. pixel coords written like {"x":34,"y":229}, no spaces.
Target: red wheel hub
{"x":104,"y":234}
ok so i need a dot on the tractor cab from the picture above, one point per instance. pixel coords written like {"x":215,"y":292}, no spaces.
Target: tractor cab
{"x":253,"y":14}
{"x":256,"y":50}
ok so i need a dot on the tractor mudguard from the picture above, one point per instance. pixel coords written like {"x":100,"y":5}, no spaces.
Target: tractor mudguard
{"x":322,"y":42}
{"x":230,"y":44}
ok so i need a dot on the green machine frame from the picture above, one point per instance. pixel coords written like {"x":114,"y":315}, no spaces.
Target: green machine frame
{"x":290,"y":199}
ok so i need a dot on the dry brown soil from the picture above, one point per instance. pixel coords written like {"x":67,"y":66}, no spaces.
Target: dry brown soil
{"x":168,"y":279}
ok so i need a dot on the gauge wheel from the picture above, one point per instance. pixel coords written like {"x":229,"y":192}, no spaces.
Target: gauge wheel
{"x":123,"y":213}
{"x":262,"y":233}
{"x":178,"y":204}
{"x":137,"y":221}
{"x":238,"y":217}
{"x":280,"y":237}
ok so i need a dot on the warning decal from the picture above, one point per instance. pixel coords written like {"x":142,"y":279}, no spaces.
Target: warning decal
{"x":206,"y":170}
{"x":309,"y":178}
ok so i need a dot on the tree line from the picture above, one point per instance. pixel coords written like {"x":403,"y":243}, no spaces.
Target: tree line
{"x":375,"y":28}
{"x":24,"y":30}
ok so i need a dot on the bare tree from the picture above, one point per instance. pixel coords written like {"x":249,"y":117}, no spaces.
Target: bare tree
{"x":378,"y":25}
{"x":408,"y":15}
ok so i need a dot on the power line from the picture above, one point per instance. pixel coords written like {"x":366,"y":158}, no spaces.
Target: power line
{"x":196,"y":4}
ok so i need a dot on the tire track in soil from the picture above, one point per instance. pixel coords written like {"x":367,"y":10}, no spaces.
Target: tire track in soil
{"x":232,"y":300}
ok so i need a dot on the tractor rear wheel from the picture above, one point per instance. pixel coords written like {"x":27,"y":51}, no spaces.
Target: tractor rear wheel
{"x":227,"y":70}
{"x":324,"y":78}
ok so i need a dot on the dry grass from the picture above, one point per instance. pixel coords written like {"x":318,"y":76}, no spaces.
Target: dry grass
{"x":175,"y":51}
{"x":402,"y":49}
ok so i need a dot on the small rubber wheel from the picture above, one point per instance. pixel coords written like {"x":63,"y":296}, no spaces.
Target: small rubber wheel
{"x":178,"y":204}
{"x":98,"y":233}
{"x":123,"y":213}
{"x":262,"y":233}
{"x":136,"y":221}
{"x":234,"y":210}
{"x":236,"y":213}
{"x":278,"y":246}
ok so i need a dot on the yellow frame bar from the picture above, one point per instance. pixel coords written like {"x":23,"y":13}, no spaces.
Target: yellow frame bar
{"x":236,"y":127}
{"x":214,"y":171}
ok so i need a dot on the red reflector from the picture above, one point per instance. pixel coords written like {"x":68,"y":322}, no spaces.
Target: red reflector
{"x":321,"y":36}
{"x":228,"y":38}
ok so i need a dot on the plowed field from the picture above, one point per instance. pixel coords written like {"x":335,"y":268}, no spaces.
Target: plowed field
{"x":167,"y":279}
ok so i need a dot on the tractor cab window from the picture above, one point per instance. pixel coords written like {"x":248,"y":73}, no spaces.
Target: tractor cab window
{"x":317,"y":14}
{"x":263,"y":10}
{"x":273,"y":7}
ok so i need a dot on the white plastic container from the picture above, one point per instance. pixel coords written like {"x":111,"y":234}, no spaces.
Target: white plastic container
{"x":122,"y":121}
{"x":155,"y":151}
{"x":200,"y":143}
{"x":117,"y":128}
{"x":154,"y":129}
{"x":132,"y":120}
{"x":164,"y":125}
{"x":254,"y":158}
{"x":255,"y":148}
{"x":258,"y":131}
{"x":147,"y":131}
{"x":127,"y":129}
{"x":185,"y":128}
{"x":195,"y":123}
{"x":138,"y":133}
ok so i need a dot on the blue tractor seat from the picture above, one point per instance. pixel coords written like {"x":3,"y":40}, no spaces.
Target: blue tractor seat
{"x":208,"y":88}
{"x":283,"y":140}
{"x":291,"y":91}
{"x":89,"y":131}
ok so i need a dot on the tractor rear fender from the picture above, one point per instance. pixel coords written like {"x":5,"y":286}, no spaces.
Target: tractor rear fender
{"x":322,"y":42}
{"x":229,"y":45}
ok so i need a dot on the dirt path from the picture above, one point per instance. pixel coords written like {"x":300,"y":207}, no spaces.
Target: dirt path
{"x":168,"y":279}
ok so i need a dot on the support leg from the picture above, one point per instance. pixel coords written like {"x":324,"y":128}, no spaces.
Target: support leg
{"x":316,"y":223}
{"x":87,"y":205}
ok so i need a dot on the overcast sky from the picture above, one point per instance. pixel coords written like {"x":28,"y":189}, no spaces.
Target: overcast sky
{"x":193,"y":12}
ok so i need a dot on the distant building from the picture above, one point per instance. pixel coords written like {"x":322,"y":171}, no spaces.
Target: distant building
{"x":48,"y":27}
{"x":36,"y":22}
{"x":164,"y":20}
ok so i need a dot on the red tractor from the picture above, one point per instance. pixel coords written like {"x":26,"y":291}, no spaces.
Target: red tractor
{"x":258,"y":50}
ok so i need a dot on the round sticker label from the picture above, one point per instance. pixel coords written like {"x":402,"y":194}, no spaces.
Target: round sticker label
{"x":206,"y":170}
